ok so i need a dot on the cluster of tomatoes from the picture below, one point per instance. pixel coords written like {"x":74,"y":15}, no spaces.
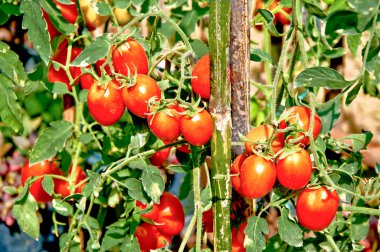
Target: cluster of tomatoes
{"x":265,"y":160}
{"x":163,"y":221}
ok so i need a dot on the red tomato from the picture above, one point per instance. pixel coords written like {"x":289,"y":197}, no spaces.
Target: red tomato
{"x":235,"y":169}
{"x":262,"y":133}
{"x":197,"y":130}
{"x":316,"y":208}
{"x":160,"y":157}
{"x":106,"y":104}
{"x":62,"y":187}
{"x":146,"y":235}
{"x":238,"y":238}
{"x":61,"y":56}
{"x":171,"y":214}
{"x":69,"y":11}
{"x":200,"y":81}
{"x":130,"y":55}
{"x":136,"y":97}
{"x":50,"y":27}
{"x":163,"y":239}
{"x":39,"y":169}
{"x":86,"y":81}
{"x":165,"y":124}
{"x":152,"y":214}
{"x":294,"y":171}
{"x":99,"y":64}
{"x":301,"y":115}
{"x":257,"y":177}
{"x":184,"y":148}
{"x":207,"y":219}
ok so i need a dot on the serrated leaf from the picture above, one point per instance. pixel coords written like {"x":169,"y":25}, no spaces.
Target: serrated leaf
{"x":130,"y":244}
{"x":314,"y":7}
{"x":206,"y":196}
{"x":11,"y":190}
{"x":102,"y":8}
{"x":364,"y":7}
{"x":37,"y":28}
{"x":199,"y":48}
{"x":269,"y":17}
{"x":10,"y":110}
{"x":359,"y":226}
{"x":188,"y":22}
{"x":342,"y":22}
{"x":63,"y":208}
{"x":359,"y":141}
{"x":321,"y":77}
{"x":254,"y":238}
{"x":135,"y":189}
{"x":115,"y":234}
{"x":289,"y":231}
{"x":26,"y":216}
{"x":95,"y":51}
{"x":152,"y":182}
{"x":353,"y":42}
{"x":122,"y":4}
{"x":259,"y":55}
{"x":51,"y":141}
{"x":329,"y":112}
{"x":48,"y":185}
{"x":85,"y":138}
{"x":11,"y":66}
{"x":353,"y":94}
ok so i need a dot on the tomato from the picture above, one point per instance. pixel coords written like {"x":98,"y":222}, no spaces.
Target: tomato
{"x":165,"y":124}
{"x":235,"y":169}
{"x":91,"y":18}
{"x":185,"y":148}
{"x":130,"y":55}
{"x":106,"y":103}
{"x":163,"y":239}
{"x":294,"y":171}
{"x":146,"y":235}
{"x":257,"y":177}
{"x":86,"y":81}
{"x":123,"y":17}
{"x":262,"y":133}
{"x":98,"y":65}
{"x":152,"y":214}
{"x":50,"y":27}
{"x":200,"y":81}
{"x":301,"y":115}
{"x":238,"y":237}
{"x":62,"y":187}
{"x":207,"y":219}
{"x":171,"y":214}
{"x":316,"y":208}
{"x":197,"y":130}
{"x":69,"y":11}
{"x":159,"y":157}
{"x":39,"y":169}
{"x":136,"y":97}
{"x":60,"y":74}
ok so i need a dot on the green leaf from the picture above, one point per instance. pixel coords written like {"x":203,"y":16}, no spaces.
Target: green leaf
{"x":342,"y":22}
{"x":63,"y":208}
{"x":259,"y":55}
{"x":51,"y":141}
{"x":329,"y":112}
{"x":115,"y":234}
{"x":199,"y":48}
{"x":289,"y":231}
{"x":122,"y":4}
{"x":206,"y":196}
{"x":11,"y":66}
{"x":95,"y":51}
{"x":37,"y":28}
{"x":139,"y":140}
{"x":321,"y":77}
{"x":269,"y":17}
{"x":48,"y":185}
{"x":10,"y":110}
{"x":135,"y":189}
{"x":10,"y":9}
{"x":364,"y":7}
{"x":26,"y":216}
{"x":314,"y":7}
{"x":254,"y":238}
{"x":353,"y":94}
{"x":359,"y":226}
{"x":152,"y":182}
{"x":353,"y":42}
{"x":188,"y":22}
{"x":130,"y":244}
{"x":85,"y":138}
{"x":359,"y":141}
{"x":344,"y":181}
{"x":102,"y":8}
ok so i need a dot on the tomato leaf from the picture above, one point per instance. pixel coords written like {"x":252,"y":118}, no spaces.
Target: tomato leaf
{"x":254,"y":238}
{"x":269,"y":17}
{"x":199,"y":48}
{"x":353,"y":94}
{"x":51,"y":141}
{"x":359,"y":226}
{"x":342,"y":22}
{"x":115,"y":234}
{"x":48,"y":185}
{"x":353,"y":42}
{"x":314,"y":7}
{"x":95,"y":51}
{"x":10,"y":110}
{"x":135,"y":189}
{"x":364,"y":7}
{"x":289,"y":231}
{"x":11,"y":66}
{"x":259,"y":55}
{"x":25,"y":213}
{"x":37,"y":28}
{"x":321,"y":77}
{"x":68,"y":243}
{"x":329,"y":113}
{"x":130,"y":244}
{"x":359,"y":141}
{"x":152,"y":182}
{"x":345,"y":181}
{"x":63,"y":208}
{"x":102,"y":8}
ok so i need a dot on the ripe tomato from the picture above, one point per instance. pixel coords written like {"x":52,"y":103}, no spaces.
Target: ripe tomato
{"x":238,"y":237}
{"x":294,"y":171}
{"x":98,"y":65}
{"x":207,"y":219}
{"x":316,"y":207}
{"x":86,"y":81}
{"x":91,"y":18}
{"x":106,"y":104}
{"x":257,"y":177}
{"x":171,"y":214}
{"x":235,"y":169}
{"x":262,"y":133}
{"x":200,"y":81}
{"x":60,"y":74}
{"x":146,"y":235}
{"x":160,"y":157}
{"x":185,"y":148}
{"x":39,"y":169}
{"x":69,"y":11}
{"x":130,"y":55}
{"x":165,"y":124}
{"x":62,"y":187}
{"x":197,"y":130}
{"x":301,"y":115}
{"x":152,"y":214}
{"x":136,"y":97}
{"x":50,"y":27}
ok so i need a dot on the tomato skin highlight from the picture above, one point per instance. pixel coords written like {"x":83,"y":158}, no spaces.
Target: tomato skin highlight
{"x":257,"y":177}
{"x":316,"y":208}
{"x":106,"y":105}
{"x":294,"y":171}
{"x":130,"y":55}
{"x":62,"y":187}
{"x":171,"y":214}
{"x":159,"y":157}
{"x":136,"y":97}
{"x":36,"y":188}
{"x":200,"y":81}
{"x":197,"y":130}
{"x":165,"y":124}
{"x":235,"y":169}
{"x":262,"y":133}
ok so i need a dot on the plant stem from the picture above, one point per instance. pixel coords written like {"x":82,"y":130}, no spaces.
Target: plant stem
{"x":362,"y":210}
{"x":332,"y":242}
{"x":197,"y":195}
{"x":188,"y":232}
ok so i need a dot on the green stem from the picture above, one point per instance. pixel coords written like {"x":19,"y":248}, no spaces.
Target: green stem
{"x":188,"y":232}
{"x":267,"y":49}
{"x":361,"y":210}
{"x":332,"y":242}
{"x":197,"y":195}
